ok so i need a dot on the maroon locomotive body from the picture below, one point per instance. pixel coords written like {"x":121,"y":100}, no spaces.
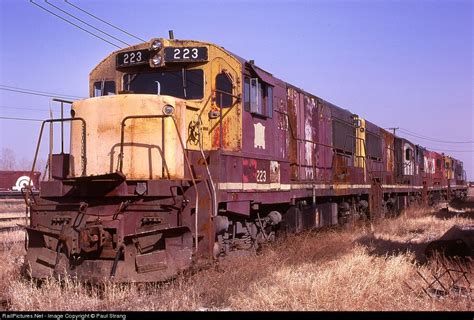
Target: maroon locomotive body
{"x":186,"y":151}
{"x":11,"y":180}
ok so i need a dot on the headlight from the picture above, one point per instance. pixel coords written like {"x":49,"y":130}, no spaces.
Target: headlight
{"x":156,"y":45}
{"x":168,"y":110}
{"x":156,"y":60}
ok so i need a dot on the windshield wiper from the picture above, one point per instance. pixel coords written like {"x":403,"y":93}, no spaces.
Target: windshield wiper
{"x":183,"y":75}
{"x":131,"y":78}
{"x":158,"y":87}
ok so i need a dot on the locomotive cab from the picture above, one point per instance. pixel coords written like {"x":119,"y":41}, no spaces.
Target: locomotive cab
{"x":138,"y":183}
{"x":198,"y":82}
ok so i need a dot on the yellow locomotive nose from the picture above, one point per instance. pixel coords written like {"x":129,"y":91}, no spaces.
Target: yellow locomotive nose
{"x":150,"y":148}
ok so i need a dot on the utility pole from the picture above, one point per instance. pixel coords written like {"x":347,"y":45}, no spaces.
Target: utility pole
{"x":393,"y":129}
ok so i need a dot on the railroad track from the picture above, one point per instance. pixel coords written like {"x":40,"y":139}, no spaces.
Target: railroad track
{"x":6,"y":219}
{"x":8,"y":195}
{"x":11,"y":229}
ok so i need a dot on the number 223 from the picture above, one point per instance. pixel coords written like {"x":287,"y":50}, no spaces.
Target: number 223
{"x":186,"y":53}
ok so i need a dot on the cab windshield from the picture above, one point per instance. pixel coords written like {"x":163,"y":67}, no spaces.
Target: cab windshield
{"x":185,"y":84}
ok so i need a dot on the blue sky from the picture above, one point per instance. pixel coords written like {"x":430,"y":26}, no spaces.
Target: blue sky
{"x":406,"y":64}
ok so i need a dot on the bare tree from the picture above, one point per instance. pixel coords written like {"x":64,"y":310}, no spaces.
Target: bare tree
{"x":40,"y":166}
{"x":7,"y":159}
{"x":24,"y":164}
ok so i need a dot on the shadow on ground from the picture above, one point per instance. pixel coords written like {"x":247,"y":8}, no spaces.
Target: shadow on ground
{"x":467,"y":206}
{"x":382,"y":247}
{"x":446,"y":214}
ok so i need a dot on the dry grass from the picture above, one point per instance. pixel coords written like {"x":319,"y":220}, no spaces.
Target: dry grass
{"x":358,"y":268}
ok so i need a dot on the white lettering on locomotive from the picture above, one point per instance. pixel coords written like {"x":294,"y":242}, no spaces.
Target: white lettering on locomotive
{"x":22,"y":182}
{"x":259,"y":140}
{"x":261,"y":176}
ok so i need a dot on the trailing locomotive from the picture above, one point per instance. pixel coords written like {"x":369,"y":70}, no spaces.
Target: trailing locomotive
{"x":185,"y":151}
{"x":13,"y":181}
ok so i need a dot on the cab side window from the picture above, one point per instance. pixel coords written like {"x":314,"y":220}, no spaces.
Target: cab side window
{"x":224,"y":98}
{"x":247,"y":94}
{"x":258,"y":97}
{"x":104,"y":88}
{"x":408,"y":154}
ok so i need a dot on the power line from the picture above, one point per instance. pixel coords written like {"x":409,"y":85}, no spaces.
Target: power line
{"x":45,"y":92}
{"x":404,"y":131}
{"x":25,"y":108}
{"x":436,"y":149}
{"x":20,"y":119}
{"x":113,"y":26}
{"x":437,"y":140}
{"x":88,"y":24}
{"x":32,"y":93}
{"x":36,"y":92}
{"x":72,"y":23}
{"x":413,"y":134}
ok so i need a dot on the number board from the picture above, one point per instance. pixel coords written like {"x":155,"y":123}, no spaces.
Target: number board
{"x":133,"y":58}
{"x":185,"y":54}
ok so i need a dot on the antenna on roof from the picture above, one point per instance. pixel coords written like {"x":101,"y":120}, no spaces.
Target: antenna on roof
{"x":170,"y":32}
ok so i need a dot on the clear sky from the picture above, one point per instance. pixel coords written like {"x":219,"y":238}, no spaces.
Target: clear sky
{"x":406,"y":64}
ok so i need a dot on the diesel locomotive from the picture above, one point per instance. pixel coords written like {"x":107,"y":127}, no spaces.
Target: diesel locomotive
{"x":187,"y":152}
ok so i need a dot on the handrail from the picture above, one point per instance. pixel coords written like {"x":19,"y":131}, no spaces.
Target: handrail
{"x":62,"y":101}
{"x":300,"y":139}
{"x":162,"y":116}
{"x":84,"y":152}
{"x":237,"y":97}
{"x":26,"y":195}
{"x":351,"y":154}
{"x":213,"y":192}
